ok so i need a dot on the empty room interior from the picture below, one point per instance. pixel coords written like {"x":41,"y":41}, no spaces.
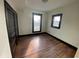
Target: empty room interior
{"x":39,"y":28}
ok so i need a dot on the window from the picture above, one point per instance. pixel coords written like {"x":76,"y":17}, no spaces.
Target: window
{"x":37,"y":22}
{"x":56,"y":21}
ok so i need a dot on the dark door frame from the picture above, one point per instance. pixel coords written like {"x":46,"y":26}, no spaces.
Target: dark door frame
{"x":9,"y":8}
{"x":33,"y":22}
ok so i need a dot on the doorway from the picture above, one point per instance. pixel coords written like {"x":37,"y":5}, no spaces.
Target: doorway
{"x":12,"y":26}
{"x":36,"y":22}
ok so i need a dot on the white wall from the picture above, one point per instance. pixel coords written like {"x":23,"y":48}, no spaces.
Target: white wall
{"x":25,"y":20}
{"x":4,"y":43}
{"x":69,"y":25}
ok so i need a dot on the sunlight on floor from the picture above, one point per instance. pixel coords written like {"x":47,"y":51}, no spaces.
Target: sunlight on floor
{"x":33,"y":46}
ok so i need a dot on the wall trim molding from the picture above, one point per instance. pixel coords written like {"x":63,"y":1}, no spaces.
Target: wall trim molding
{"x":63,"y":42}
{"x":32,"y":34}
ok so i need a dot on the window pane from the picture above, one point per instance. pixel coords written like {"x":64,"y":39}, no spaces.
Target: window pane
{"x":37,"y":19}
{"x":56,"y":21}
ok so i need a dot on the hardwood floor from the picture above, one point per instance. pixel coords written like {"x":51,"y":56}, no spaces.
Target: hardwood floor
{"x":42,"y":46}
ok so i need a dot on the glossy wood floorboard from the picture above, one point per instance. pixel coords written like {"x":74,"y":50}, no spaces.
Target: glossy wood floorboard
{"x":42,"y":46}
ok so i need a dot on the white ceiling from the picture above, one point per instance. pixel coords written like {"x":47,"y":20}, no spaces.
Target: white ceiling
{"x":39,"y":5}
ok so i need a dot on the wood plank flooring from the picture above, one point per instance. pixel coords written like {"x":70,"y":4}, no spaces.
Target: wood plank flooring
{"x":42,"y":46}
